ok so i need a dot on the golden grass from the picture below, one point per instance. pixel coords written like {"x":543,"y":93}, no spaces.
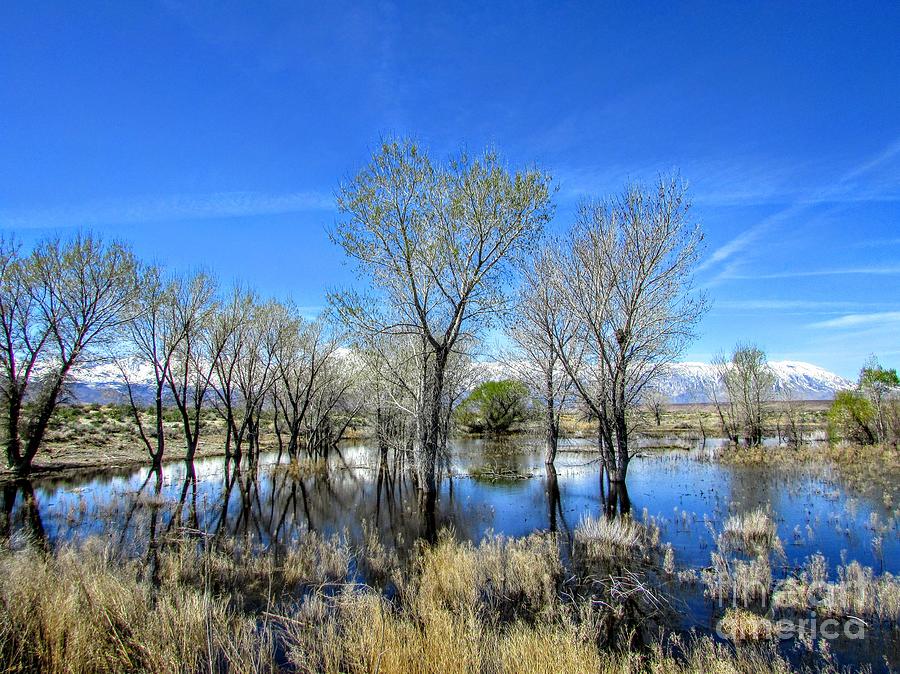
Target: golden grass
{"x":613,"y":538}
{"x":737,"y":580}
{"x":498,"y":606}
{"x":857,"y":592}
{"x":754,"y":532}
{"x":300,"y":469}
{"x":742,"y":625}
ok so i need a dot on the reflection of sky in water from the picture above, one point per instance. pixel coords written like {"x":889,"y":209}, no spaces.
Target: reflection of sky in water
{"x":815,"y":514}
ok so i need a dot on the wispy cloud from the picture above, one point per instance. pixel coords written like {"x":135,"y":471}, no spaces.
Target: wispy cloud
{"x":877,"y":318}
{"x":837,"y":189}
{"x":785,"y":305}
{"x":165,"y":208}
{"x":847,"y":271}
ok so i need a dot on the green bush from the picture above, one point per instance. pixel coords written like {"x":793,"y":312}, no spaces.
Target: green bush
{"x":494,"y":406}
{"x":850,"y":418}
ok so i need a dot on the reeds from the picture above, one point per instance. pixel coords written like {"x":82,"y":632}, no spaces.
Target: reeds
{"x":501,"y":606}
{"x":742,"y":625}
{"x":857,"y":592}
{"x":752,"y":532}
{"x":611,"y":538}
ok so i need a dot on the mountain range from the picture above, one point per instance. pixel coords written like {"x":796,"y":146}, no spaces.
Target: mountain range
{"x":688,"y":382}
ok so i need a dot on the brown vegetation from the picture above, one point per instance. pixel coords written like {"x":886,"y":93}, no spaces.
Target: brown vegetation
{"x":458,"y":607}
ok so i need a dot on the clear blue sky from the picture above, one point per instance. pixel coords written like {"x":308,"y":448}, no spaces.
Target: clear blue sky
{"x":214,"y":135}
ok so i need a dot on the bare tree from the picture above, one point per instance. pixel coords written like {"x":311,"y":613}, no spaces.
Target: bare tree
{"x":655,"y":403}
{"x":193,"y":363}
{"x":152,"y":335}
{"x":791,"y":410}
{"x":306,"y":391}
{"x":627,"y":278}
{"x":229,"y":339}
{"x":255,"y":375}
{"x":434,"y":240}
{"x":57,"y":305}
{"x":540,"y":327}
{"x":746,"y":386}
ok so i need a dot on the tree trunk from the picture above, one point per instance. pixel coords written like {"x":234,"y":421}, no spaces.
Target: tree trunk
{"x":552,"y":436}
{"x":433,"y":428}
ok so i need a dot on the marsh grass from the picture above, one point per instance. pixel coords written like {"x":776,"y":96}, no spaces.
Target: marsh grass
{"x":301,"y":469}
{"x":856,"y":592}
{"x":742,"y":625}
{"x":738,"y":580}
{"x":752,"y":532}
{"x":499,"y":606}
{"x":617,"y":538}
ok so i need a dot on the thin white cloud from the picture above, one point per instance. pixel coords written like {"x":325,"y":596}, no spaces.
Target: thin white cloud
{"x":165,"y":208}
{"x":847,"y":271}
{"x":820,"y":196}
{"x":784,"y":305}
{"x":877,"y":318}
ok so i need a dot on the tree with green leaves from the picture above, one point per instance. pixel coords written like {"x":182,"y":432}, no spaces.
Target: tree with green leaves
{"x":850,"y":418}
{"x":494,"y":407}
{"x":881,"y":387}
{"x":435,"y":242}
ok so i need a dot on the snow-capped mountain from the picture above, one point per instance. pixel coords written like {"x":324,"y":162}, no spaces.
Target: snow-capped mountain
{"x":104,"y":383}
{"x":692,"y":382}
{"x":688,"y":382}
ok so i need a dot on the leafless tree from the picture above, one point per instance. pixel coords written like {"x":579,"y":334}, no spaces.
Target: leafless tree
{"x":435,"y":241}
{"x":151,"y":336}
{"x":307,"y":388}
{"x":627,"y":278}
{"x":540,"y":328}
{"x":231,"y":326}
{"x":57,"y":305}
{"x":791,"y":411}
{"x":193,"y":363}
{"x":655,"y":403}
{"x":255,"y":375}
{"x":745,"y":387}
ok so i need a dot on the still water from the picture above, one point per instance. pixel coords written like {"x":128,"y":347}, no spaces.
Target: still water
{"x":686,"y":492}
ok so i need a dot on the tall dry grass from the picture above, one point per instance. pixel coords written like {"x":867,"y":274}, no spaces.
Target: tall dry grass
{"x":504,"y":605}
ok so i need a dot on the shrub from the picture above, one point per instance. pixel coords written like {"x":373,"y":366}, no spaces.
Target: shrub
{"x":494,"y":406}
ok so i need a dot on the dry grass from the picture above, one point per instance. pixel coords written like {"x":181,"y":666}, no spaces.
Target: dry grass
{"x":499,"y":606}
{"x":737,"y":580}
{"x":742,"y":625}
{"x":752,"y":532}
{"x":856,"y":592}
{"x":616,"y":538}
{"x":300,"y":469}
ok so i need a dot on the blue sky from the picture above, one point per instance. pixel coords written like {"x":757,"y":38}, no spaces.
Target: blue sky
{"x":213,"y":135}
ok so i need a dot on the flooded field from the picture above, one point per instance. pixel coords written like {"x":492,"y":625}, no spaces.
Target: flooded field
{"x":685,"y":497}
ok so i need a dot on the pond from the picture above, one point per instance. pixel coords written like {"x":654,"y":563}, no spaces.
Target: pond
{"x":494,"y":487}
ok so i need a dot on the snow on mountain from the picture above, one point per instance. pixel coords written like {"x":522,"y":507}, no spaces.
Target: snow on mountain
{"x":692,"y":382}
{"x":103,"y":382}
{"x":688,"y":382}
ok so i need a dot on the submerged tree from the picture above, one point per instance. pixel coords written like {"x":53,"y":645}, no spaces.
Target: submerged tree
{"x":541,"y":329}
{"x":58,"y":305}
{"x":435,"y":242}
{"x":627,"y":279}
